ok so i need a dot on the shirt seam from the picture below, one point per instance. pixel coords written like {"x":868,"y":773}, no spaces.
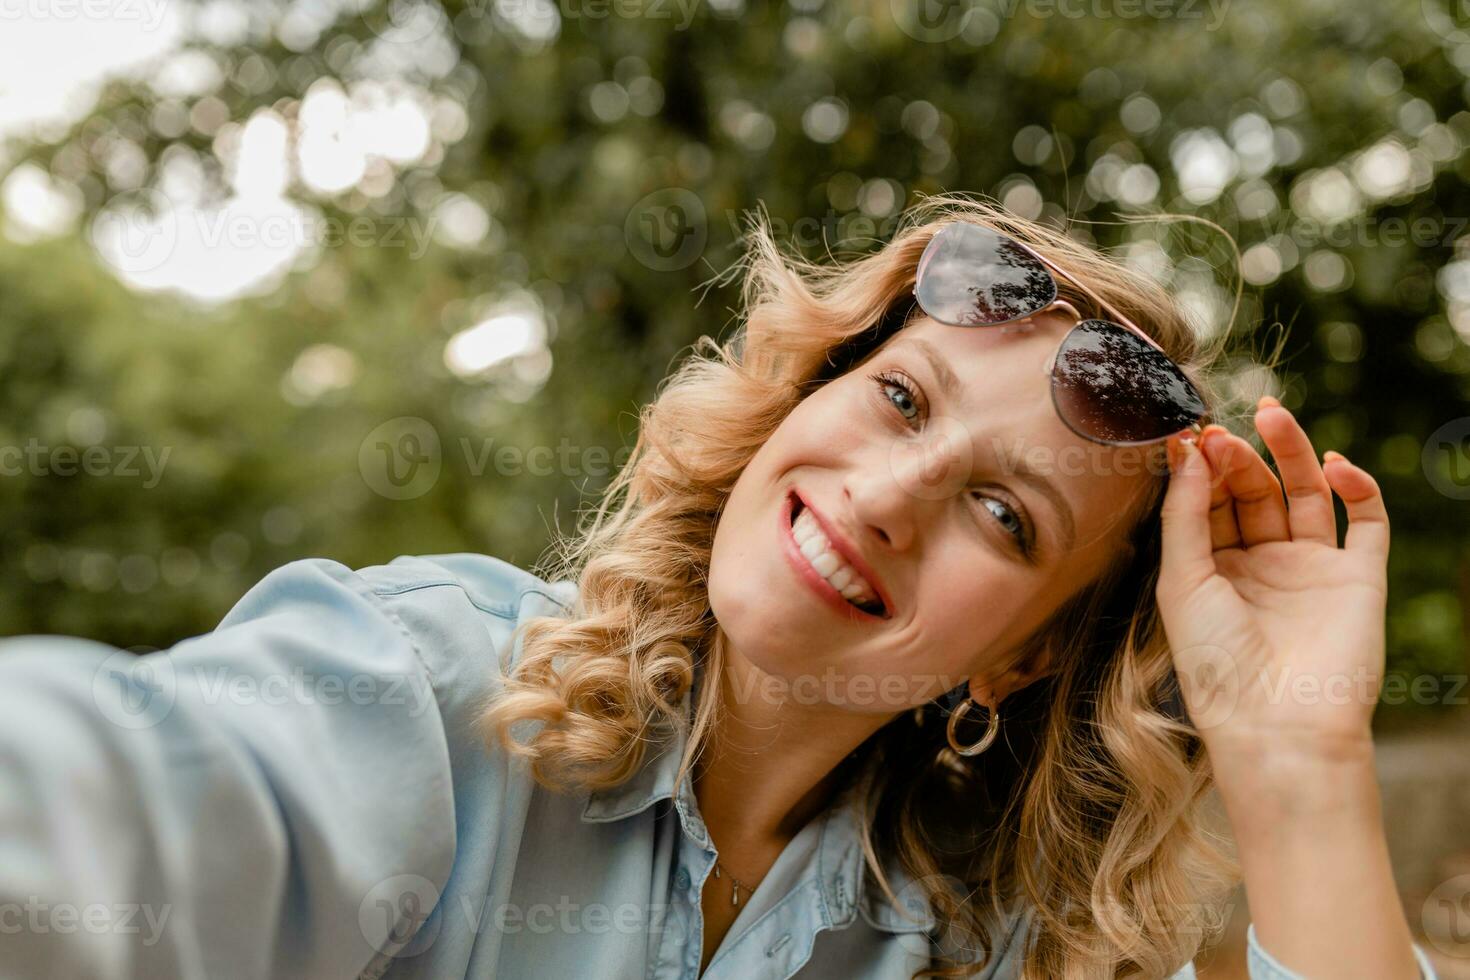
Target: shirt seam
{"x":507,"y":611}
{"x":444,"y":781}
{"x":375,"y":599}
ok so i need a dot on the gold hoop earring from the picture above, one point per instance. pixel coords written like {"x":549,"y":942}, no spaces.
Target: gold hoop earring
{"x":992,"y":728}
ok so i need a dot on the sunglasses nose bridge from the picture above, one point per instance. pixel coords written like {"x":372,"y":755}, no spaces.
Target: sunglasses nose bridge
{"x":1061,"y":304}
{"x":1048,"y":365}
{"x":1027,"y":322}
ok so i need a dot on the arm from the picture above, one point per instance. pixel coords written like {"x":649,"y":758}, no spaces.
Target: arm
{"x":1277,"y":635}
{"x":226,"y":807}
{"x":1261,"y":965}
{"x":1309,"y":829}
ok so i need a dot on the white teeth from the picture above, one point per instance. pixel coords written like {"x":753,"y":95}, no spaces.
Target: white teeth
{"x":828,"y":563}
{"x":813,"y":546}
{"x":804,"y":527}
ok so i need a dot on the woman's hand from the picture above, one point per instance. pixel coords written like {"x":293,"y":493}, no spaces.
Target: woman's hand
{"x":1277,"y":636}
{"x":1277,"y":633}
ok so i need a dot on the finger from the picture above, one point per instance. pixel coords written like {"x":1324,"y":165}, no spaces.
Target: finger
{"x":1186,"y":558}
{"x":1309,"y":499}
{"x":1366,"y":513}
{"x":1224,"y":531}
{"x":1260,"y":510}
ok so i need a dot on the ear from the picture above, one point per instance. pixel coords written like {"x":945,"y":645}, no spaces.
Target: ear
{"x":1025,"y":672}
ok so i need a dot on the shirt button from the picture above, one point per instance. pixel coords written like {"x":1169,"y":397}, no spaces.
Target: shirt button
{"x":682,"y":879}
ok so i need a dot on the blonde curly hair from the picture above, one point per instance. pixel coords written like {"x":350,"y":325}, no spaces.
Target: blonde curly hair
{"x":1093,"y":817}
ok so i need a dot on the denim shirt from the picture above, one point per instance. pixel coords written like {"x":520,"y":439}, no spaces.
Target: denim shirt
{"x":303,"y":792}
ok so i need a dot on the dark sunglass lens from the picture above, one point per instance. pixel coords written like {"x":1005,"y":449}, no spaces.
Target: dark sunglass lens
{"x":1112,"y":386}
{"x":970,"y":276}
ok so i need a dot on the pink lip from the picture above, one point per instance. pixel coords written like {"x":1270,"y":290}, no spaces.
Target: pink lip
{"x":809,"y":575}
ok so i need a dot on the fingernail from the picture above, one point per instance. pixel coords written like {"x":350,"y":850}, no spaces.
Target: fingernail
{"x":1332,"y":454}
{"x":1180,"y":449}
{"x":1267,"y":401}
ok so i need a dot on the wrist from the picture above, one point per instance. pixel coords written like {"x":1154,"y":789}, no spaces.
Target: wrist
{"x":1286,"y":751}
{"x":1288,"y":801}
{"x":1297,"y":771}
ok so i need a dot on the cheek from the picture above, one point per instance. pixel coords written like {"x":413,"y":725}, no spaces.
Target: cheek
{"x":764,"y":622}
{"x":747,"y":537}
{"x":973,"y":608}
{"x":732,"y":567}
{"x":832,"y":416}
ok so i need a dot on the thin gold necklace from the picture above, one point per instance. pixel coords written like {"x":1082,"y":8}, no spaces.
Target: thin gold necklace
{"x":735,"y":885}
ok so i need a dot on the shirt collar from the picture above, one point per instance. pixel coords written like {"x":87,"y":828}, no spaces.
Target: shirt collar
{"x":839,"y":864}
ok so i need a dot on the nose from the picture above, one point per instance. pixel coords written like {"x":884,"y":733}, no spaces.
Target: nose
{"x":877,"y":510}
{"x":892,"y":495}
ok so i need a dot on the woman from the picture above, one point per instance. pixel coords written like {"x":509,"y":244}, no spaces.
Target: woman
{"x":865,"y":666}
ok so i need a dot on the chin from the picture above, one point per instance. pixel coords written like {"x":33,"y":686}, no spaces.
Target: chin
{"x":769,"y":635}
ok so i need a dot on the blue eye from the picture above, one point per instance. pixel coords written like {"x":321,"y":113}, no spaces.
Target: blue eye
{"x":902,"y":398}
{"x":900,"y":394}
{"x":1008,"y":518}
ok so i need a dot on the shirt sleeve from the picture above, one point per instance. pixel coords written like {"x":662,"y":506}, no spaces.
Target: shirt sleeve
{"x":1263,"y":966}
{"x":270,"y":799}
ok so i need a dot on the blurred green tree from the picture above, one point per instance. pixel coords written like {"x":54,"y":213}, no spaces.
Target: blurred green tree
{"x":588,"y":164}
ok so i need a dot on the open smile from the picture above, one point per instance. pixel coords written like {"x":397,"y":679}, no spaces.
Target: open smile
{"x":830,"y":564}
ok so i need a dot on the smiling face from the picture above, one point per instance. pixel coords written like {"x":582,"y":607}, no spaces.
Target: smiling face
{"x":955,"y":521}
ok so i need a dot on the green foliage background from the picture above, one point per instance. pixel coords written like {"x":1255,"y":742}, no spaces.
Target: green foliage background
{"x":255,"y":479}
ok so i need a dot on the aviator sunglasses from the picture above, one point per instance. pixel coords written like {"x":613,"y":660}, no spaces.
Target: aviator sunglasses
{"x":1110,"y":382}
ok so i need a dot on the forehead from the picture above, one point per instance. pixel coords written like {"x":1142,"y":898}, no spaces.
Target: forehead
{"x":1014,"y":360}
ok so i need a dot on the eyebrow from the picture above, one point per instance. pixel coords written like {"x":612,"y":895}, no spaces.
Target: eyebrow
{"x":950,"y":385}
